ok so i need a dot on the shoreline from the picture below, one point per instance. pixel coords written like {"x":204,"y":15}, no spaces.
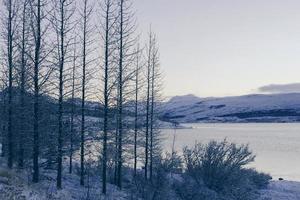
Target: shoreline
{"x":279,"y":190}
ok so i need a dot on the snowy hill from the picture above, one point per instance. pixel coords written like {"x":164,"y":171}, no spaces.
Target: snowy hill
{"x":248,"y":108}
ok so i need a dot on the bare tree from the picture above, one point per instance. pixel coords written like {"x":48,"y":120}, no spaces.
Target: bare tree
{"x":36,"y":8}
{"x":87,"y":28}
{"x":137,"y":88}
{"x":155,"y":96}
{"x":108,"y":28}
{"x":120,"y":95}
{"x":72,"y":131}
{"x":83,"y":94}
{"x":11,"y":14}
{"x":63,"y":24}
{"x":42,"y":72}
{"x":23,"y":78}
{"x":148,"y":78}
{"x":126,"y":41}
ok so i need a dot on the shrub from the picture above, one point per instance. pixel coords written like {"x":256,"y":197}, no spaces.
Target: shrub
{"x":216,"y":162}
{"x":260,"y":180}
{"x":157,"y":188}
{"x":188,"y":189}
{"x":172,"y":163}
{"x":220,"y":167}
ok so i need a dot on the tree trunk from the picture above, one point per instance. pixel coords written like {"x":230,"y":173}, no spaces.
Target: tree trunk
{"x":72,"y":112}
{"x":83,"y":95}
{"x":106,"y":105}
{"x":10,"y":71}
{"x":36,"y":96}
{"x":151,"y":119}
{"x":60,"y":101}
{"x":4,"y":127}
{"x":120,"y":109}
{"x":22,"y":100}
{"x":148,"y":107}
{"x":136,"y":111}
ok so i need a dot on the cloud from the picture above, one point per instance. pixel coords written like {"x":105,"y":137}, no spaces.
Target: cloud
{"x":280,"y":88}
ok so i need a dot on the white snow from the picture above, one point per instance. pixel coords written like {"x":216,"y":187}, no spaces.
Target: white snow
{"x":282,"y":190}
{"x":14,"y":184}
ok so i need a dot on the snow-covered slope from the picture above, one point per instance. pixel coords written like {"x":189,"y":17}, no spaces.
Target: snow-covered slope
{"x":249,"y":108}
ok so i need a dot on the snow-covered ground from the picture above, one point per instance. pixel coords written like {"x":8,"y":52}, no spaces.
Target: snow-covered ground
{"x":282,"y":190}
{"x":16,"y":185}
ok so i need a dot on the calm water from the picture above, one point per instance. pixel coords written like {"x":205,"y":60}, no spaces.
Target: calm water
{"x":277,"y":146}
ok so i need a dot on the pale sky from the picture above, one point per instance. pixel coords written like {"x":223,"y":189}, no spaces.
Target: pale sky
{"x":224,"y":47}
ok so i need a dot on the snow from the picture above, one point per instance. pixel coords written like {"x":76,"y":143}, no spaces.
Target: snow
{"x":16,"y":184}
{"x":179,"y":101}
{"x":194,"y":109}
{"x":282,"y":190}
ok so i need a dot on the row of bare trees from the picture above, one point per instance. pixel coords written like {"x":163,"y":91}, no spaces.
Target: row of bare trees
{"x":58,"y":58}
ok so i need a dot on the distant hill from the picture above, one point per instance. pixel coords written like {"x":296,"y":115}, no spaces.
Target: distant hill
{"x":248,"y":108}
{"x":48,"y":103}
{"x":191,"y":109}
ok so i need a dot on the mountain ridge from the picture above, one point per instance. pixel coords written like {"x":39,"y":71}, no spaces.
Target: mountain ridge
{"x":246,"y":108}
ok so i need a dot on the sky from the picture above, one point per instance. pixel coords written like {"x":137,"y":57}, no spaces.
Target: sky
{"x":224,"y":47}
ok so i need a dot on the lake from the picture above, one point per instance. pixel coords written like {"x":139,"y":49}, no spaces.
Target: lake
{"x":276,"y":146}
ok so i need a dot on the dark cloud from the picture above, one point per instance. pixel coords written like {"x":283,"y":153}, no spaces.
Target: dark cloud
{"x":281,"y":88}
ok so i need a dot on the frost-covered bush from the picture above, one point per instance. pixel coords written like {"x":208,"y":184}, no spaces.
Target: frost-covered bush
{"x":260,"y":180}
{"x":216,"y":163}
{"x":220,"y":167}
{"x":172,"y":163}
{"x":157,"y":188}
{"x":189,"y":189}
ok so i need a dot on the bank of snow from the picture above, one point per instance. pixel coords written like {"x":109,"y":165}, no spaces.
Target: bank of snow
{"x":282,"y":190}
